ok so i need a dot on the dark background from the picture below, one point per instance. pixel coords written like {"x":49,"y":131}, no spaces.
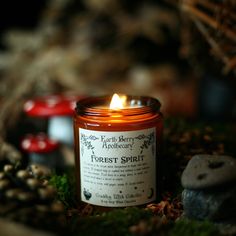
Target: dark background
{"x":22,"y":14}
{"x":216,"y":93}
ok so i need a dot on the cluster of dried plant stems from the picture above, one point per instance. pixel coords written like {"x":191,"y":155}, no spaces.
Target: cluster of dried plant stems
{"x":217,"y":23}
{"x":216,"y":20}
{"x":11,"y":108}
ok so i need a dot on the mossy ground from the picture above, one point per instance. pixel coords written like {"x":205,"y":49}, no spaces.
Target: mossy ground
{"x":181,"y":140}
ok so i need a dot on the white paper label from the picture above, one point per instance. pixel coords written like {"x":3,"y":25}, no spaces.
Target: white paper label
{"x":118,"y":169}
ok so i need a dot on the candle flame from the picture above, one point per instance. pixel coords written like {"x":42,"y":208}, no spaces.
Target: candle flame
{"x":117,"y":102}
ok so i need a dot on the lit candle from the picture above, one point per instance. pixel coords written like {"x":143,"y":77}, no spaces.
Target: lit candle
{"x":116,"y":150}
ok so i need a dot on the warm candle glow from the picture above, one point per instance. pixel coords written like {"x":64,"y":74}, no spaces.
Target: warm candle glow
{"x":115,"y":138}
{"x":117,"y":102}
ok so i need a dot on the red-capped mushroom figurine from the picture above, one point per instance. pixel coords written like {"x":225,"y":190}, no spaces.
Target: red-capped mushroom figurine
{"x":42,"y":150}
{"x":59,"y":110}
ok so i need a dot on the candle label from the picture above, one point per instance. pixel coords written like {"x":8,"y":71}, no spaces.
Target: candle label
{"x":118,"y":169}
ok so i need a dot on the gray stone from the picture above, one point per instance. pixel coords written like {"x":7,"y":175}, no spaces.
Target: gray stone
{"x":209,"y":171}
{"x":211,"y":205}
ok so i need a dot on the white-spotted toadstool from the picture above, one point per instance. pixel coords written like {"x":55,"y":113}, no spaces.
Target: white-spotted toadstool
{"x":42,"y":150}
{"x":59,"y":110}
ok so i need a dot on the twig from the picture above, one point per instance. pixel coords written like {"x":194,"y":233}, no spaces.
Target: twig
{"x":13,"y":103}
{"x":194,"y":12}
{"x":215,"y":46}
{"x":215,"y":7}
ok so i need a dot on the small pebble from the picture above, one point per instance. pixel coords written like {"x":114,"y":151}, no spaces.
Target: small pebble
{"x":12,"y":193}
{"x":4,"y":183}
{"x":39,"y":171}
{"x":2,"y":175}
{"x":32,"y":183}
{"x":25,"y":196}
{"x":8,"y":168}
{"x":22,"y":174}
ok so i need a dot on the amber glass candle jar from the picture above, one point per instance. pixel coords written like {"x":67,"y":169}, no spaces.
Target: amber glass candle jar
{"x":116,"y":150}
